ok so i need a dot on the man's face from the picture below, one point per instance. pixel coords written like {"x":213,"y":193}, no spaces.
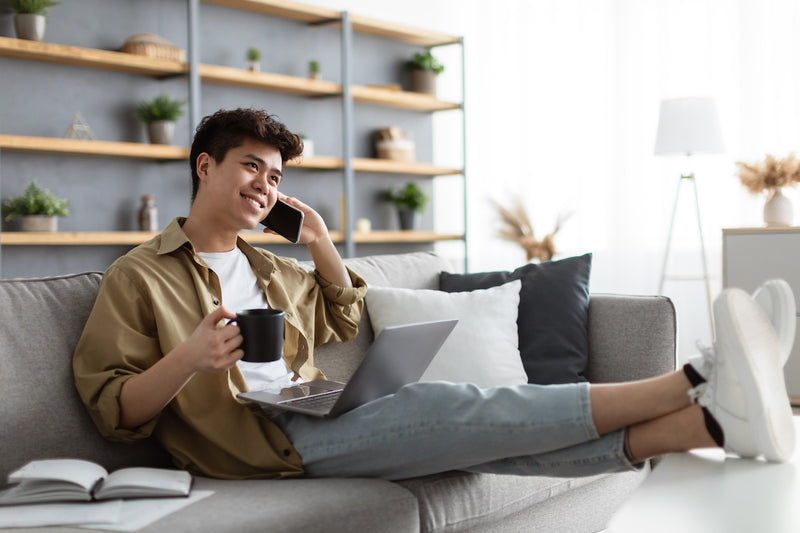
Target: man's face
{"x":243,"y":187}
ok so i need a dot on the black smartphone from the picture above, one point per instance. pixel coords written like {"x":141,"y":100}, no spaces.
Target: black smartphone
{"x":285,"y":220}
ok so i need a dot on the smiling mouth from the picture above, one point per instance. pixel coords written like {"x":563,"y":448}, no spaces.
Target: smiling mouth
{"x":253,"y":201}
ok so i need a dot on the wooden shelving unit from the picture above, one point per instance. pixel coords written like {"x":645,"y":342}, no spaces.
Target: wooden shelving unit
{"x":116,"y":61}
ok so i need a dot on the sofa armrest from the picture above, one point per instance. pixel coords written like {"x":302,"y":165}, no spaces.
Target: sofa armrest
{"x":630,"y":337}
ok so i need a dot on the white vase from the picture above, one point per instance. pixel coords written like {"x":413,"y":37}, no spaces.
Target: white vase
{"x":778,"y":210}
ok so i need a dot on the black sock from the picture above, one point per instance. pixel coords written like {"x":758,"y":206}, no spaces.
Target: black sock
{"x":714,"y":428}
{"x":693,"y":375}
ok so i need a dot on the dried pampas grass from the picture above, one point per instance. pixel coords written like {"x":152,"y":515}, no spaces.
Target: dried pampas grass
{"x":771,"y":173}
{"x":517,"y":228}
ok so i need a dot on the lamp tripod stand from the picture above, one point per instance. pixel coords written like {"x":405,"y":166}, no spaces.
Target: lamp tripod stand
{"x":688,"y":178}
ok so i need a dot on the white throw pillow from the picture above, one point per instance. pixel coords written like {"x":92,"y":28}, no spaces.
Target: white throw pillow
{"x":483,"y":347}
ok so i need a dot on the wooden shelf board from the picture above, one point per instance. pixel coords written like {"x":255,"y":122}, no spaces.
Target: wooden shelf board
{"x":315,"y":15}
{"x":401,"y":33}
{"x":133,"y":238}
{"x":401,"y":167}
{"x":88,"y":147}
{"x":402,"y":99}
{"x":266,"y":80}
{"x":321,"y":162}
{"x":282,"y":8}
{"x":380,"y":236}
{"x":89,"y":57}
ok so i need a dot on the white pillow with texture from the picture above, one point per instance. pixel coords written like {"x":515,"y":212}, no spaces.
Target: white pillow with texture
{"x":482,"y":349}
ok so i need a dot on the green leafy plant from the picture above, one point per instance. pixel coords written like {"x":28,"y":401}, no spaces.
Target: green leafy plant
{"x":409,"y":197}
{"x":161,"y":107}
{"x":32,"y":7}
{"x":426,"y":61}
{"x":35,"y":201}
{"x":313,"y":66}
{"x":253,"y":54}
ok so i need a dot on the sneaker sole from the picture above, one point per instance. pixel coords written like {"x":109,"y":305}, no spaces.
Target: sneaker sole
{"x":756,"y":358}
{"x":775,"y":296}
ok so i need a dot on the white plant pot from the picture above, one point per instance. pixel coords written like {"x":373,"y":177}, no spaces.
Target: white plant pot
{"x":778,"y":210}
{"x":161,"y":131}
{"x":29,"y":26}
{"x":308,"y":148}
{"x":39,"y":223}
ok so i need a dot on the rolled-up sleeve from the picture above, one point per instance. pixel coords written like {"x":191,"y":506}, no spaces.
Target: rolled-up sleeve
{"x":117,"y":343}
{"x":344,"y":306}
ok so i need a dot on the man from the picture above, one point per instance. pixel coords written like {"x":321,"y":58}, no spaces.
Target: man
{"x":157,"y":358}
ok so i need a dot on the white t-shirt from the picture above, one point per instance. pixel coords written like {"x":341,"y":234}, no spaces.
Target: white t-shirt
{"x":240,"y":291}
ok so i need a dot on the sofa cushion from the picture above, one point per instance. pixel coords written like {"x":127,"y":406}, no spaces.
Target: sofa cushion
{"x":419,"y":270}
{"x":40,"y":406}
{"x":482,"y":349}
{"x":553,"y":310}
{"x":463,"y":501}
{"x":335,"y":505}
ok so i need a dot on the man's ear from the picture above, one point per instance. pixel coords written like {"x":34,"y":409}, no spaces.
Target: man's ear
{"x":203,"y":162}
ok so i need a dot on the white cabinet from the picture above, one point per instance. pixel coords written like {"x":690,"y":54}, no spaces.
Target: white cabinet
{"x":751,"y":256}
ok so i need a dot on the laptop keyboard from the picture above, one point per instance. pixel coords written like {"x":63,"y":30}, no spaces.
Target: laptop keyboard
{"x":317,"y":402}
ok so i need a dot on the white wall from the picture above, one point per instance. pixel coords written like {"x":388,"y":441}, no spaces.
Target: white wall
{"x":562,"y":99}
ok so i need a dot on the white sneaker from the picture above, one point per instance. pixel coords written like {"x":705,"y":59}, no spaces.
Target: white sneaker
{"x":776,"y":298}
{"x":745,"y":390}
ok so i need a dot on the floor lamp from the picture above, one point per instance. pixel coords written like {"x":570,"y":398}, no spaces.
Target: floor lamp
{"x":688,"y":126}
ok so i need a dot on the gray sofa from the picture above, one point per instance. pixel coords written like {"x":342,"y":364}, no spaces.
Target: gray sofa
{"x":41,"y":416}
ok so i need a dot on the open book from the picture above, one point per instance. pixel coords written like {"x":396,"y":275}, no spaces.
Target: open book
{"x":61,"y":480}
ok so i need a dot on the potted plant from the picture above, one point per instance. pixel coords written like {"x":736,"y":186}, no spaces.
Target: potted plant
{"x":37,"y":208}
{"x":253,"y":58}
{"x":313,"y":69}
{"x":308,"y":145}
{"x":160,"y":115}
{"x":771,"y":175}
{"x":30,"y":18}
{"x":409,"y":201}
{"x":424,"y":69}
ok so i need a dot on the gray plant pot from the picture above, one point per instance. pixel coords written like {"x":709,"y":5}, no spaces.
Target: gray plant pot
{"x":39,"y":223}
{"x":409,"y":219}
{"x":161,"y":131}
{"x":423,"y":81}
{"x":29,"y":26}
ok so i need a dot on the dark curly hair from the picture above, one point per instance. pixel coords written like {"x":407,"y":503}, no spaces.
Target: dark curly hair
{"x":227,"y":129}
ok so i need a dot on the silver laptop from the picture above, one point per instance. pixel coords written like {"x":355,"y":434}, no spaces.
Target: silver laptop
{"x":398,"y":356}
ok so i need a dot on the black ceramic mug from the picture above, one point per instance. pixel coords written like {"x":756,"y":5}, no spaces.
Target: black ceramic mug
{"x":262,"y":330}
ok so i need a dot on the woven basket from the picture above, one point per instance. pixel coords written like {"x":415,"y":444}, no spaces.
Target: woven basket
{"x":151,"y":45}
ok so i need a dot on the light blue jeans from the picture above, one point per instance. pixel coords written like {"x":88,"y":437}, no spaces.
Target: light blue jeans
{"x":433,"y":427}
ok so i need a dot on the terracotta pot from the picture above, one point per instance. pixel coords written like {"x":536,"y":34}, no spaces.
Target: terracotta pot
{"x":39,"y":223}
{"x":29,"y":26}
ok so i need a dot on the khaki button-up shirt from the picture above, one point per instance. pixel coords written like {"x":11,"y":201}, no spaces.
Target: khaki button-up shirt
{"x":151,"y":300}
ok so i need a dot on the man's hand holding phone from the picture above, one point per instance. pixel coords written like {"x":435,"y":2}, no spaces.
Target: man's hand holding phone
{"x":294,"y":221}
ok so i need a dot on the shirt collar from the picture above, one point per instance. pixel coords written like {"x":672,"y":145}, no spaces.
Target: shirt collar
{"x":173,"y":238}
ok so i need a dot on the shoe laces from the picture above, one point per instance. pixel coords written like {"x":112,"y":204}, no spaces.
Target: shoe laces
{"x":709,"y":364}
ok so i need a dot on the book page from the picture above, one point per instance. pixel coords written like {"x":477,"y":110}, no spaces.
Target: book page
{"x":78,"y":471}
{"x":143,"y":481}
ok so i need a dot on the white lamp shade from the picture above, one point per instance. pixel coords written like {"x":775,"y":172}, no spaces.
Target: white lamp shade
{"x":688,"y":126}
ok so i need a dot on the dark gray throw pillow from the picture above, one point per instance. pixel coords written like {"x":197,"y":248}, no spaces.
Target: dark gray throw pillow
{"x":553,"y":311}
